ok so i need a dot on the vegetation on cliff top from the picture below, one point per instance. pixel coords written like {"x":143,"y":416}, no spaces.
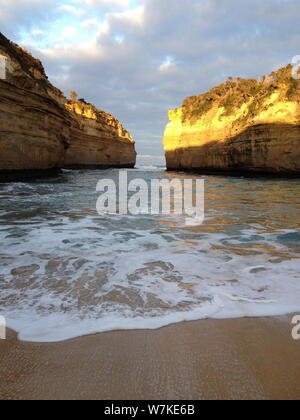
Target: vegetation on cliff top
{"x":22,"y":56}
{"x":232,"y":94}
{"x":83,"y":108}
{"x":89,"y":111}
{"x":33,"y":73}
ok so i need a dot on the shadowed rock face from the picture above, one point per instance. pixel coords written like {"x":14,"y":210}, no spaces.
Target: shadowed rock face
{"x":240,"y":126}
{"x":40,"y":130}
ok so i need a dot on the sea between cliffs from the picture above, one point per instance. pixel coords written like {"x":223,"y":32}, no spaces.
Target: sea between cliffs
{"x":66,"y":271}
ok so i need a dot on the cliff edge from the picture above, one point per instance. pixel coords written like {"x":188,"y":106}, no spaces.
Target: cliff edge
{"x":97,"y":139}
{"x":40,"y":130}
{"x":239,"y":126}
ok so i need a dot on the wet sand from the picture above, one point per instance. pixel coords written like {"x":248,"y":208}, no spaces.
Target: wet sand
{"x":210,"y":359}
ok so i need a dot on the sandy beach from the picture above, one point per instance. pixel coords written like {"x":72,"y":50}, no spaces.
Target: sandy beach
{"x":210,"y":359}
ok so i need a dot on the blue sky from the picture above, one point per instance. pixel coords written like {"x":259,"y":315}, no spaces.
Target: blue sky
{"x":137,"y":59}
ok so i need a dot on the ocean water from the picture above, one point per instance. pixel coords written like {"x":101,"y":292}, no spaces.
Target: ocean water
{"x":66,"y":271}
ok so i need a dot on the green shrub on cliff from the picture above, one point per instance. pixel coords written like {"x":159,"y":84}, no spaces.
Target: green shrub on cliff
{"x":202,"y":108}
{"x":292,"y":91}
{"x":73,"y":96}
{"x":229,"y":104}
{"x":232,"y":94}
{"x":22,"y":56}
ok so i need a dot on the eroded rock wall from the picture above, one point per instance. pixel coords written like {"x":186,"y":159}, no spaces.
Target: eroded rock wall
{"x":242,"y":125}
{"x":40,"y":130}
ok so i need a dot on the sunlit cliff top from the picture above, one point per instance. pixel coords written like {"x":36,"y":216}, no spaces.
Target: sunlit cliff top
{"x":26,"y":60}
{"x":234,"y":93}
{"x":89,"y":111}
{"x":27,"y":72}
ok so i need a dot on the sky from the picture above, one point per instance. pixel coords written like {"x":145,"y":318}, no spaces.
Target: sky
{"x":138,"y":59}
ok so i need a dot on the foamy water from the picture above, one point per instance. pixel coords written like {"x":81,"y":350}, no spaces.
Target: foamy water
{"x":65,"y":271}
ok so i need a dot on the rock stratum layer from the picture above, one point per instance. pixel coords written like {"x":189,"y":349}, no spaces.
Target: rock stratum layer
{"x":239,"y":126}
{"x":40,"y":130}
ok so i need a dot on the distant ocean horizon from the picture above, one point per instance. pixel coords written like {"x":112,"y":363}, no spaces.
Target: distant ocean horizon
{"x":150,"y":161}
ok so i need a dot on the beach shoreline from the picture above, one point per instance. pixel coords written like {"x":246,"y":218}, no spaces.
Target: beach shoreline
{"x":247,"y":358}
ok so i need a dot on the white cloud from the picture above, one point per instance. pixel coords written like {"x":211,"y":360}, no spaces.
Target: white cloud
{"x":68,"y":33}
{"x":138,"y":61}
{"x":130,"y":17}
{"x":100,"y":3}
{"x":90,"y":24}
{"x":71,"y":9}
{"x":22,"y":3}
{"x":167,"y":65}
{"x":37,"y":33}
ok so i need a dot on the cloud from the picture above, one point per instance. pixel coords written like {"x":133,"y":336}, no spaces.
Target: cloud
{"x":167,"y":65}
{"x":101,"y":3}
{"x":137,"y":59}
{"x":16,"y":16}
{"x":90,"y":24}
{"x":78,"y":12}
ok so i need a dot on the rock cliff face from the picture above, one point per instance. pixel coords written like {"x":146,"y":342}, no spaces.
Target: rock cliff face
{"x":40,"y":130}
{"x":97,"y":139}
{"x":239,"y":126}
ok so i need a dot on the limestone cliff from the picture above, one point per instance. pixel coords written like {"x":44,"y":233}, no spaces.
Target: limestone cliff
{"x":40,"y":130}
{"x":239,"y":126}
{"x":97,"y":139}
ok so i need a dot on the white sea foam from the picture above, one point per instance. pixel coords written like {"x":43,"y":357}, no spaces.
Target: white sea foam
{"x":67,"y":272}
{"x":149,"y":167}
{"x":146,"y":281}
